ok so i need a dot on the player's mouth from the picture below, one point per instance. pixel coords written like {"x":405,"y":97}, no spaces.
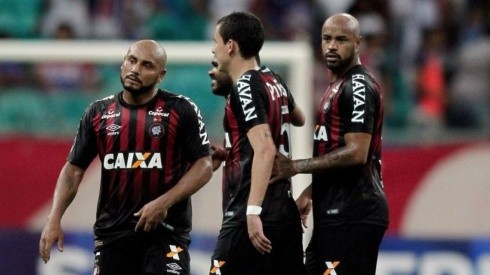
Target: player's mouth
{"x":133,"y":78}
{"x":332,"y":57}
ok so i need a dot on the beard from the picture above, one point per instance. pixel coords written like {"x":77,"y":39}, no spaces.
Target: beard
{"x":341,"y":65}
{"x":223,"y":86}
{"x":222,"y":90}
{"x":135,"y":92}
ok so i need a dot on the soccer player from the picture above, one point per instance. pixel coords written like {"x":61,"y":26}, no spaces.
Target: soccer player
{"x":154,"y":153}
{"x":261,"y":229}
{"x":350,"y":211}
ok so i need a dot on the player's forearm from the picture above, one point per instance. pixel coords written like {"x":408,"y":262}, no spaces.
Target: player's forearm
{"x":65,"y":191}
{"x":261,"y":174}
{"x":340,"y":158}
{"x":198,"y":175}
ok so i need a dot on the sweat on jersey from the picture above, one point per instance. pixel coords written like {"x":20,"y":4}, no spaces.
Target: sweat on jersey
{"x":144,"y":150}
{"x":258,"y":97}
{"x":354,"y":194}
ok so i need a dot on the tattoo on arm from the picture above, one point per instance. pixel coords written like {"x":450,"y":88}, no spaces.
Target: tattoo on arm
{"x":335,"y":159}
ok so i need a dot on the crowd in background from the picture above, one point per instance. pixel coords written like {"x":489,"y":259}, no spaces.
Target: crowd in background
{"x":432,"y":57}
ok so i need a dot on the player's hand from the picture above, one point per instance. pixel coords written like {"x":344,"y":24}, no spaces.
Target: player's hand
{"x":283,"y":168}
{"x":150,"y":215}
{"x":218,"y":155}
{"x":304,"y":207}
{"x":52,"y":232}
{"x":256,"y":234}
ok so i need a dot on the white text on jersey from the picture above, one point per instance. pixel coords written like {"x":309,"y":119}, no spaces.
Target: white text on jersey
{"x":132,"y":160}
{"x":245,"y":95}
{"x":359,"y":97}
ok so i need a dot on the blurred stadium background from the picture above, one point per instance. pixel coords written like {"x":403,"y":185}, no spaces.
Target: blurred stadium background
{"x":431,"y":56}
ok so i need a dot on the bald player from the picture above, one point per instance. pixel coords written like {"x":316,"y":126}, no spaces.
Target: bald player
{"x":154,"y":154}
{"x":350,"y":211}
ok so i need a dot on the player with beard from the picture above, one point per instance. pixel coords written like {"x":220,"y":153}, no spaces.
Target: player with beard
{"x":221,"y":85}
{"x":154,"y":154}
{"x":350,"y":211}
{"x":257,"y":217}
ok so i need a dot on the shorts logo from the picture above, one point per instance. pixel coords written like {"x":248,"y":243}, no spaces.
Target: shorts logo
{"x":173,"y":268}
{"x":216,"y":265}
{"x":174,"y":252}
{"x":331,"y":268}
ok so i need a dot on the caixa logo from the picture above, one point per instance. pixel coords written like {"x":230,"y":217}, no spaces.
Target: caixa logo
{"x":133,"y":160}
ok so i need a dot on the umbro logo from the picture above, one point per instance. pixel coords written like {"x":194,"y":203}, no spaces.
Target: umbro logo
{"x":113,"y":127}
{"x":173,"y":268}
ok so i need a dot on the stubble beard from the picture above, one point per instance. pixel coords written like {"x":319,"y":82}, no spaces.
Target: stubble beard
{"x":341,"y":65}
{"x":137,"y":91}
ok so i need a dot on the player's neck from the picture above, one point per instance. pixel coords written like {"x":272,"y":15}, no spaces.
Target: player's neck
{"x":139,"y":99}
{"x":336,"y":75}
{"x":241,"y":66}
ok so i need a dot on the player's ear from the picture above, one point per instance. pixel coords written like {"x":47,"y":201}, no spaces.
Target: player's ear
{"x":232,"y":46}
{"x":162,"y":75}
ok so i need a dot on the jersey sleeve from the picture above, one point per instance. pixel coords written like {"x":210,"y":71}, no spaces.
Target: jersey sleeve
{"x":249,"y":100}
{"x":360,"y":100}
{"x":84,"y":148}
{"x":196,"y":138}
{"x":291,"y":101}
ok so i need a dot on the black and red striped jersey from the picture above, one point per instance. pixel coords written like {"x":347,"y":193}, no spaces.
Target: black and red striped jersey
{"x":354,"y":194}
{"x":258,"y":97}
{"x":144,"y":150}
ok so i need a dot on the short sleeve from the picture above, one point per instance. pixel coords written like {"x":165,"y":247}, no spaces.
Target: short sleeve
{"x":361,"y":99}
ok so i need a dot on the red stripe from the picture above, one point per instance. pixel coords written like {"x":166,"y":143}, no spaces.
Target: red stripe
{"x":155,"y":147}
{"x":139,"y":147}
{"x":123,"y":147}
{"x":169,"y":147}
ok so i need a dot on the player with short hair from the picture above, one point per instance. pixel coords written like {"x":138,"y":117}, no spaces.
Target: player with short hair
{"x":257,"y":217}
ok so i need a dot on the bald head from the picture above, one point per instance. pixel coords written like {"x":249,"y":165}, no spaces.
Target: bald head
{"x":151,"y":47}
{"x":343,"y":22}
{"x":340,"y":42}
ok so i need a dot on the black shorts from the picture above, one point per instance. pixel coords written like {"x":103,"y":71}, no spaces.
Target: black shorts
{"x":236,"y":255}
{"x":144,"y":253}
{"x":345,"y":249}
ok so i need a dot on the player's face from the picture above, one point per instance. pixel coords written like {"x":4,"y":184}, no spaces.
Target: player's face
{"x":339,"y":46}
{"x":141,"y":70}
{"x":220,"y":50}
{"x":221,"y":83}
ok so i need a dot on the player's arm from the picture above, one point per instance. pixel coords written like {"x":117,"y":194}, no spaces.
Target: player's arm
{"x":218,"y":155}
{"x":260,"y":139}
{"x":355,"y":152}
{"x":65,"y":191}
{"x":304,"y":204}
{"x":297,"y":116}
{"x":156,"y":210}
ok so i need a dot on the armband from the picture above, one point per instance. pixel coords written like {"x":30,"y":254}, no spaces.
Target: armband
{"x":254,"y":210}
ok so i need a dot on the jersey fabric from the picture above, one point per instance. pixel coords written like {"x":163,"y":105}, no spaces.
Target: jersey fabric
{"x":355,"y":194}
{"x":259,"y":97}
{"x":144,"y":150}
{"x":344,"y":249}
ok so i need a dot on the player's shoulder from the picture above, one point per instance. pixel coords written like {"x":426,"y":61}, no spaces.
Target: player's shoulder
{"x":103,"y":103}
{"x":357,"y":77}
{"x":178,"y":100}
{"x":360,"y":73}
